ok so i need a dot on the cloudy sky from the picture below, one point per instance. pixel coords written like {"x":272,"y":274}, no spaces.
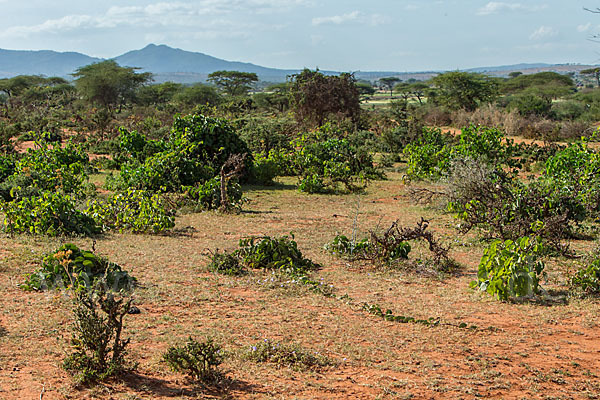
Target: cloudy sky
{"x":343,"y":35}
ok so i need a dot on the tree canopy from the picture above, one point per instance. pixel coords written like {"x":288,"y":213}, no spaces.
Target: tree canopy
{"x":107,"y":84}
{"x":314,"y":96}
{"x":465,"y":90}
{"x":234,"y":83}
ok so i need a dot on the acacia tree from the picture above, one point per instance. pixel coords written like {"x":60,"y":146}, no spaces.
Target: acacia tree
{"x":314,"y":97}
{"x":109,"y":85}
{"x":234,"y":83}
{"x":389,"y":83}
{"x":466,"y":90}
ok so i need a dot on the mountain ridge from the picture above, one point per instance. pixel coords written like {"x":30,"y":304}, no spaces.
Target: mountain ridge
{"x":168,"y":63}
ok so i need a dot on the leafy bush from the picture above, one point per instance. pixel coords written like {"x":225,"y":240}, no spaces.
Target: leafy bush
{"x":428,"y":156}
{"x":226,"y":264}
{"x":199,"y":360}
{"x":268,"y":253}
{"x":195,"y":152}
{"x":137,"y":211}
{"x":506,"y":208}
{"x":586,"y":281}
{"x":207,"y":195}
{"x":288,"y":355}
{"x":511,"y":269}
{"x":322,"y":163}
{"x":69,"y":266}
{"x":49,"y":214}
{"x":97,"y":339}
{"x":264,"y":169}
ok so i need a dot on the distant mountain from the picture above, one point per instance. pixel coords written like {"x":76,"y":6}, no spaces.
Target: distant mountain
{"x":164,"y":60}
{"x":42,"y":62}
{"x":169,"y":64}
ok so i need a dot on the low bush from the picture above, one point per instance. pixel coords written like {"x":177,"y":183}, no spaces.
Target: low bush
{"x":207,"y":195}
{"x":198,"y":360}
{"x":226,"y":264}
{"x":72,"y":267}
{"x":49,"y":214}
{"x":286,"y":355}
{"x":99,"y":348}
{"x":137,"y":211}
{"x":511,"y":269}
{"x":586,"y":281}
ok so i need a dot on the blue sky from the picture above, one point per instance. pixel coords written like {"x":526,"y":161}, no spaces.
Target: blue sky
{"x":348,"y":35}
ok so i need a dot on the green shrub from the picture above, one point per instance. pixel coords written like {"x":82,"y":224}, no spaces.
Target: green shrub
{"x":199,"y":360}
{"x":286,"y":355}
{"x":264,"y":169}
{"x":226,"y":264}
{"x":207,"y":195}
{"x":279,"y":254}
{"x":428,"y":156}
{"x":195,"y":152}
{"x":138,"y":211}
{"x":586,"y":281}
{"x":69,"y":266}
{"x":99,"y":349}
{"x":511,"y":269}
{"x":323,"y":162}
{"x":49,"y":214}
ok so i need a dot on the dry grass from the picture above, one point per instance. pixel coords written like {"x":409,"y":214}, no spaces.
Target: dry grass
{"x":535,"y":352}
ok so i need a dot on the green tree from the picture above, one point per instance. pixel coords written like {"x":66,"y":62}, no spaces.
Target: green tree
{"x":109,"y":85}
{"x":465,"y":90}
{"x":152,"y":95}
{"x":595,"y":72}
{"x":548,"y":85}
{"x":315,"y":97}
{"x":234,"y":83}
{"x":198,"y":94}
{"x":389,"y":82}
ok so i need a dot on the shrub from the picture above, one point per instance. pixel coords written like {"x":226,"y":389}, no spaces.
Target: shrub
{"x":322,"y":163}
{"x":428,"y":156}
{"x":137,"y":211}
{"x":586,"y":281}
{"x":49,"y":214}
{"x":70,"y":266}
{"x":268,"y":253}
{"x":288,"y":355}
{"x":199,"y":360}
{"x":207,"y":195}
{"x":99,"y":349}
{"x":226,"y":264}
{"x":264,"y":169}
{"x":511,"y":269}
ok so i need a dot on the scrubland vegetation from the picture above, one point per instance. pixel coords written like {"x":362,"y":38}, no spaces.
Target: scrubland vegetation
{"x":211,"y":241}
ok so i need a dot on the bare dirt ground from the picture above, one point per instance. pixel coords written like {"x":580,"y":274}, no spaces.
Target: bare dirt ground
{"x":519,"y":351}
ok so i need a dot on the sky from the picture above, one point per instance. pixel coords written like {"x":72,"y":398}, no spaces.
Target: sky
{"x":340,"y":35}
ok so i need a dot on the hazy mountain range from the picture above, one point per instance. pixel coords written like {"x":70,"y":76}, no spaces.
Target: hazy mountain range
{"x":169,"y":64}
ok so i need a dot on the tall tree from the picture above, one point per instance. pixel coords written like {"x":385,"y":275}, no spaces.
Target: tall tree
{"x":389,"y":82}
{"x":109,"y":85}
{"x":465,"y":90}
{"x":234,"y":83}
{"x":315,"y":97}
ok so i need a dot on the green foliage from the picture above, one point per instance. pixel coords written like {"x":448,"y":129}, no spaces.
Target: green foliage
{"x":387,"y":253}
{"x":70,"y":266}
{"x":234,"y":83}
{"x":57,"y":169}
{"x":138,"y":211}
{"x":137,"y":146}
{"x":279,"y":254}
{"x":194,"y":153}
{"x":322,"y":162}
{"x":465,"y":90}
{"x":108,"y":84}
{"x":264,"y":169}
{"x":198,"y":360}
{"x":49,"y":214}
{"x":511,"y":269}
{"x":286,"y":355}
{"x":99,"y":349}
{"x":226,"y":264}
{"x":428,"y":157}
{"x":207,"y":195}
{"x":586,"y":281}
{"x":530,"y":104}
{"x":198,"y":94}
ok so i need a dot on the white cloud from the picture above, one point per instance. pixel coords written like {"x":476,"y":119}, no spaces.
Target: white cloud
{"x":584,"y":27}
{"x":336,"y":19}
{"x":543,"y":32}
{"x":494,"y":7}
